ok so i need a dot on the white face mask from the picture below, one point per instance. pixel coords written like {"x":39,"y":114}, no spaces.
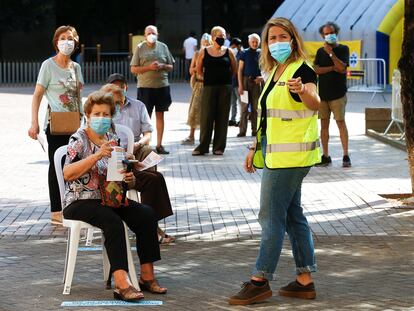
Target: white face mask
{"x":152,"y":38}
{"x":235,"y":51}
{"x":66,"y":47}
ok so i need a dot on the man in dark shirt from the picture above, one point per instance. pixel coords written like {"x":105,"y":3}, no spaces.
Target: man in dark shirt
{"x":250,"y":80}
{"x":330,"y":64}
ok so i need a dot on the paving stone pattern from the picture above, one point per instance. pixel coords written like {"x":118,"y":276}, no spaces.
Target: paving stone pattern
{"x":363,"y":243}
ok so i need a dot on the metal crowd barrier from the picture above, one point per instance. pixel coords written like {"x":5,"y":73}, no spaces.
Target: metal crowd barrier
{"x":368,"y":75}
{"x":25,"y":73}
{"x":396,"y":109}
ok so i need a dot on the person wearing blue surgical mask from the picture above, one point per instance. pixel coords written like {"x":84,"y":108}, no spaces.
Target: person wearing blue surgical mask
{"x":286,"y":147}
{"x":330,"y":64}
{"x":85,"y":168}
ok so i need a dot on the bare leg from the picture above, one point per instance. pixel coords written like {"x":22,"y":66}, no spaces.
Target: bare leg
{"x":304,"y":278}
{"x":325,"y":136}
{"x":121,"y":279}
{"x":343,"y":134}
{"x":147,"y":274}
{"x":159,"y":117}
{"x":192,"y":131}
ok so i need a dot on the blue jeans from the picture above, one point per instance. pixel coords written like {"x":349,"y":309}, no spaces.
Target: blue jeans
{"x":280,"y":212}
{"x":234,"y":102}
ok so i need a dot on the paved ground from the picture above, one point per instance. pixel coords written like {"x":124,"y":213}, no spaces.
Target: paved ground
{"x":364,"y":245}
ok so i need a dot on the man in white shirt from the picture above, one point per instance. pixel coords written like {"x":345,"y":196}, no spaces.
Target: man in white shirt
{"x":189,"y":48}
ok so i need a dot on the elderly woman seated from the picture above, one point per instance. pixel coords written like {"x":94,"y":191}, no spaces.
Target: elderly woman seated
{"x":85,"y":174}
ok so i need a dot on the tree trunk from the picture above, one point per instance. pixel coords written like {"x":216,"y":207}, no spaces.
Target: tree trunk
{"x":406,"y":67}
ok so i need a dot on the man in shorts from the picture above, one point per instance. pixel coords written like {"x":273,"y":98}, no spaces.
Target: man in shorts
{"x":151,"y":63}
{"x":330,"y":64}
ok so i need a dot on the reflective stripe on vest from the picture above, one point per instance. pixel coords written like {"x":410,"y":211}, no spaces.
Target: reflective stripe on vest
{"x":293,"y":147}
{"x":288,"y":114}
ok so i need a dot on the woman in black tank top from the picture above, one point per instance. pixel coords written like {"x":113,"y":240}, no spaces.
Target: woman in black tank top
{"x":217,"y":65}
{"x":217,"y":70}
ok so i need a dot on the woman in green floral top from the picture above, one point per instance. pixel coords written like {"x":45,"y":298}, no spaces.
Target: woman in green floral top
{"x":59,"y":80}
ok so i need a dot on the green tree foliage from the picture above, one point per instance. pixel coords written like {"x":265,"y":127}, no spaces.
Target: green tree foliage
{"x":23,"y":15}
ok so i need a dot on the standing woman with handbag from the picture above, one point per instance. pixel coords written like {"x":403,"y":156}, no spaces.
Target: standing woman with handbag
{"x":60,"y":80}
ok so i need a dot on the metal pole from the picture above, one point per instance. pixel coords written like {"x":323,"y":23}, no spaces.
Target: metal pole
{"x":98,"y":53}
{"x":130,"y":45}
{"x":82,"y":58}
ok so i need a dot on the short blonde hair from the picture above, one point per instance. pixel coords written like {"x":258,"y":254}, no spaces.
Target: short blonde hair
{"x":205,"y":40}
{"x":267,"y":62}
{"x":99,"y":98}
{"x":216,"y":30}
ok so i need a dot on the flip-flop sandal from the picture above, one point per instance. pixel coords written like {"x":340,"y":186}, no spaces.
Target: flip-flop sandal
{"x":187,"y":141}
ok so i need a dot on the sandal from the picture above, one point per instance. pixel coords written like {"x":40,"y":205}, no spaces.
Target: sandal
{"x":197,"y":153}
{"x":187,"y":141}
{"x":56,"y":218}
{"x":152,"y":286}
{"x":165,"y":239}
{"x":218,"y":152}
{"x":130,"y":294}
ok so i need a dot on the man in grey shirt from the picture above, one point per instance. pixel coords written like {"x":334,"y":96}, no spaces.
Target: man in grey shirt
{"x":151,"y":63}
{"x":150,"y":183}
{"x":133,"y":113}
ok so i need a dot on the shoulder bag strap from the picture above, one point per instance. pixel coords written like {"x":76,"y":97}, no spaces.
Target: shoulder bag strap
{"x":77,"y":88}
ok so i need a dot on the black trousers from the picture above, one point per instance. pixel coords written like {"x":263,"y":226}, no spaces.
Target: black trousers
{"x":215,"y":108}
{"x":54,"y":142}
{"x":154,"y":192}
{"x":139,"y":218}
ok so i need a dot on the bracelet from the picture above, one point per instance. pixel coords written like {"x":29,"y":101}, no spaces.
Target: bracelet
{"x":251,"y":147}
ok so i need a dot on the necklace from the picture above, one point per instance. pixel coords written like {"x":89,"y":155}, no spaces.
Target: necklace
{"x":97,"y":141}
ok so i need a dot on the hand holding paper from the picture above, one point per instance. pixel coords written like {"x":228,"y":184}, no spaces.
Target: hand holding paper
{"x":245,"y":97}
{"x":151,"y":160}
{"x":115,"y":165}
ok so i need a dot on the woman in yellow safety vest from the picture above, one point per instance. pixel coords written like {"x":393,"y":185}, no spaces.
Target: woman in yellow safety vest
{"x":287,"y":147}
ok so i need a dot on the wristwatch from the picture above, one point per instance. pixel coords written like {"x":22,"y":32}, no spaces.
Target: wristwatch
{"x":330,"y":55}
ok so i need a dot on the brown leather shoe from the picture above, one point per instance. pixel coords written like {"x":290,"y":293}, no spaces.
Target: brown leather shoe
{"x":152,"y":286}
{"x":297,"y":290}
{"x":251,"y":293}
{"x":130,"y":294}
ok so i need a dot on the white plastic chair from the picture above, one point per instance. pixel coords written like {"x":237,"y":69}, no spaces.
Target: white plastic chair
{"x":75,"y":227}
{"x":132,"y":194}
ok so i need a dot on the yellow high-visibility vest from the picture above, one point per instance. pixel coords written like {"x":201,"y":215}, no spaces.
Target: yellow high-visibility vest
{"x":292,"y":129}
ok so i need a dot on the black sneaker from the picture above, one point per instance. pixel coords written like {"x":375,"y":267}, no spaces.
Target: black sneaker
{"x":251,"y":293}
{"x":346,"y":161}
{"x":232,"y":123}
{"x":161,"y":150}
{"x":325,"y":161}
{"x":297,"y":290}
